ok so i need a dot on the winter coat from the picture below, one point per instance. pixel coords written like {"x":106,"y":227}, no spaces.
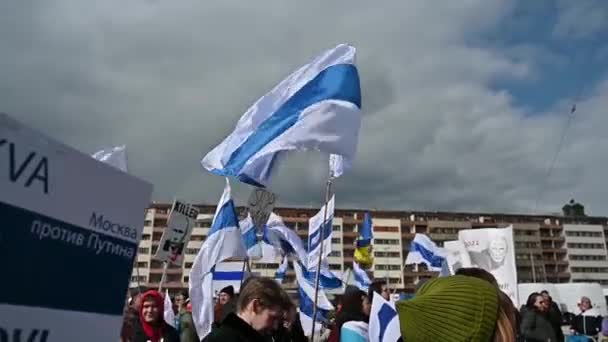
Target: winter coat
{"x":169,"y":334}
{"x":535,"y":326}
{"x":187,"y":331}
{"x":587,"y":323}
{"x":234,"y":329}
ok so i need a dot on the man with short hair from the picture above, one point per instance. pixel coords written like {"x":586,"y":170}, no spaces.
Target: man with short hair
{"x":261,"y":304}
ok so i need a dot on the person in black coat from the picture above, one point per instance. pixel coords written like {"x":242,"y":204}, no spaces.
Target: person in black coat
{"x":554,"y":315}
{"x":151,"y":326}
{"x":259,"y":308}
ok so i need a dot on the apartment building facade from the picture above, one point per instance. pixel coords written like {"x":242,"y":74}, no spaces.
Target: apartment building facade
{"x":541,"y":244}
{"x":586,"y":248}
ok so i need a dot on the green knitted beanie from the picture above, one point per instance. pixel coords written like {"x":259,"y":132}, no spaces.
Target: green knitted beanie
{"x":456,"y":308}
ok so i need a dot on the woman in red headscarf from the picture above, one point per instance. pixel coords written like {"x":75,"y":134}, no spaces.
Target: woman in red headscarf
{"x":152,"y":326}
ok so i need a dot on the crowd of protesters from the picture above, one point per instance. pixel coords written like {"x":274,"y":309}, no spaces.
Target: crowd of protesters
{"x":468,"y":306}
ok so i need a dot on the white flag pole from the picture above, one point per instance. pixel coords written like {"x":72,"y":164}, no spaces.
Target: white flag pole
{"x":322,"y":238}
{"x":163,"y":276}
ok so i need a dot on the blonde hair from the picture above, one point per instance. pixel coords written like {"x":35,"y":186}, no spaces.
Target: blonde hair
{"x":506,"y":322}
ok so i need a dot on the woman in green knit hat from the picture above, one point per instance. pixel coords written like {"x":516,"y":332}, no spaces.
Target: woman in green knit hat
{"x":451,"y":309}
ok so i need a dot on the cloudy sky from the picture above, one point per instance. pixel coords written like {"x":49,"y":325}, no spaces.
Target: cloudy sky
{"x":464,"y":101}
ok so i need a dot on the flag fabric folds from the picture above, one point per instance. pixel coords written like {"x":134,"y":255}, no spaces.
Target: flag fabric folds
{"x":360,"y":278}
{"x":327,"y":279}
{"x":425,"y":251}
{"x":115,"y":156}
{"x":223,"y":241}
{"x":250,"y":239}
{"x":383,"y":321}
{"x":306,"y":293}
{"x":315,"y":108}
{"x":282,"y":270}
{"x":363,"y":246}
{"x":316,"y":228}
{"x":281,"y":237}
{"x":168,"y":313}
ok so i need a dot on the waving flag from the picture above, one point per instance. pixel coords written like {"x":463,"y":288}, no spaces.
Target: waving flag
{"x":363,"y":247}
{"x":360,"y":278}
{"x":280,"y":236}
{"x":315,"y":108}
{"x":168,"y":313}
{"x":316,"y":228}
{"x":250,"y":239}
{"x":328,"y":280}
{"x":115,"y":156}
{"x":282,"y":270}
{"x":306,"y":293}
{"x":425,"y":251}
{"x":383,"y":321}
{"x":224,"y":241}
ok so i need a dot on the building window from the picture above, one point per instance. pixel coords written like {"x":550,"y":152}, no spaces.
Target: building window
{"x":143,"y":250}
{"x":197,"y":238}
{"x":586,"y":245}
{"x":335,"y":254}
{"x":142,"y":279}
{"x":142,"y":264}
{"x":187,"y":279}
{"x":386,"y":229}
{"x":192,"y":251}
{"x":392,"y":242}
{"x":188,"y":265}
{"x":146,"y":237}
{"x":335,"y":267}
{"x":387,"y":254}
{"x":335,"y":228}
{"x":335,"y":241}
{"x":589,"y":269}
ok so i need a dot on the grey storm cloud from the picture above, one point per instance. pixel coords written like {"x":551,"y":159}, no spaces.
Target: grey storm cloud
{"x":170,"y":79}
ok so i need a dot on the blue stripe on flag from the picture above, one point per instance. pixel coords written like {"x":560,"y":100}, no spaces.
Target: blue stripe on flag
{"x":227,"y":275}
{"x":325,"y":281}
{"x":427,"y":255}
{"x":226,"y":217}
{"x":307,"y":305}
{"x":385,"y":315}
{"x":52,"y":273}
{"x":315,"y":239}
{"x":337,"y":82}
{"x":250,"y":238}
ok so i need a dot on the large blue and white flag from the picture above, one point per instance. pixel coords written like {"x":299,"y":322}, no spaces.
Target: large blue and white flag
{"x":223,"y":241}
{"x":317,"y":228}
{"x":228,"y":273}
{"x":424,"y":251}
{"x":383,"y":321}
{"x":318,"y":107}
{"x":282,"y":270}
{"x":360,"y":278}
{"x":281,"y":237}
{"x":115,"y":156}
{"x":307,"y":294}
{"x":250,"y":239}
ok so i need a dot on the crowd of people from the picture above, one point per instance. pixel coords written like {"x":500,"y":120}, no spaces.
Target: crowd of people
{"x":468,"y":306}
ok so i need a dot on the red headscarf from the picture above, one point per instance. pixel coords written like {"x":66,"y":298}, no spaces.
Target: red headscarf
{"x":154,"y":331}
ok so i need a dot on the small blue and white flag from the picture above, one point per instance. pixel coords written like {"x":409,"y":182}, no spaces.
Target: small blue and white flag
{"x":318,"y":107}
{"x":282,"y":270}
{"x":316,"y":228}
{"x":360,"y":278}
{"x":424,"y":251}
{"x":383,"y":321}
{"x":115,"y":156}
{"x":224,"y":241}
{"x":250,"y":239}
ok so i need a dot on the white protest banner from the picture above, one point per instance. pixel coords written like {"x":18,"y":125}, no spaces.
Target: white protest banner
{"x":261,"y":203}
{"x":493,"y":250}
{"x":177,"y":234}
{"x":456,"y":255}
{"x":71,"y":228}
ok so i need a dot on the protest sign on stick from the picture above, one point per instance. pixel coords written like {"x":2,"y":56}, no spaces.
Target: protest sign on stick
{"x":75,"y":224}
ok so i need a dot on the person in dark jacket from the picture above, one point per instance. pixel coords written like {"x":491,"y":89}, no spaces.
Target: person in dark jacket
{"x":152,"y":326}
{"x":259,"y":307}
{"x":588,"y":320}
{"x":290,"y":328}
{"x":535,"y":325}
{"x":554,"y":315}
